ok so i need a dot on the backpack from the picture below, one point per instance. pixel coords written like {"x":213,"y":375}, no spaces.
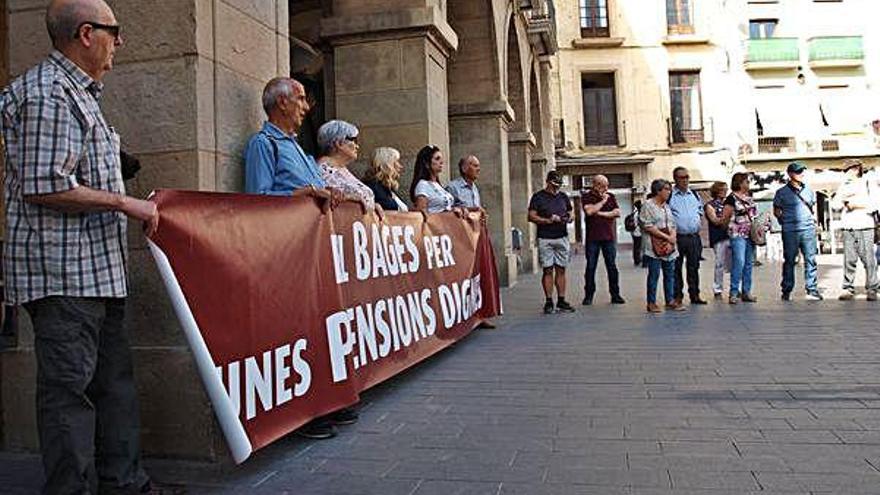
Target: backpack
{"x":629,"y":222}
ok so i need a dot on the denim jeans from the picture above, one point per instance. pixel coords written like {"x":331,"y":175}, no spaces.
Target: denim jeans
{"x":742,"y":256}
{"x":803,"y":241}
{"x":609,"y":254}
{"x":655,"y":266}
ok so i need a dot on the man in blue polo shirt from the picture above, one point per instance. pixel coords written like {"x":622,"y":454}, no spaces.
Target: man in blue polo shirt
{"x":687,"y":210}
{"x":793,"y":206}
{"x":275,"y":164}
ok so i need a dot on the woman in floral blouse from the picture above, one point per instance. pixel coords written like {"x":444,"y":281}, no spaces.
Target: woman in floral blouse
{"x":337,"y":143}
{"x":740,"y":211}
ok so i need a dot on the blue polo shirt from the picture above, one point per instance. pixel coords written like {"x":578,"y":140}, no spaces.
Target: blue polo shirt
{"x":687,"y":210}
{"x":276,"y":164}
{"x":795,"y":214}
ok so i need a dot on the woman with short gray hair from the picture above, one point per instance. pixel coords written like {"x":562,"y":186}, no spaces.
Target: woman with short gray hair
{"x":338,"y":148}
{"x":659,"y":249}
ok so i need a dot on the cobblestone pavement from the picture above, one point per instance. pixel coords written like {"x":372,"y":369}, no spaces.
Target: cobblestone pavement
{"x":766,"y":398}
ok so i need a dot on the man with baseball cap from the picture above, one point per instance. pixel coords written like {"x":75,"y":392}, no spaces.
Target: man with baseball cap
{"x":550,"y":209}
{"x":858,"y":198}
{"x":793,"y":206}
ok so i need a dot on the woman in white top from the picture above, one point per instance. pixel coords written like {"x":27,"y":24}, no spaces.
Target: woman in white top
{"x":337,"y":143}
{"x":426,"y":192}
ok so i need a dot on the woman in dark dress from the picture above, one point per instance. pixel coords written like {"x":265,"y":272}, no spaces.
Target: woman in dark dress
{"x":383,"y":177}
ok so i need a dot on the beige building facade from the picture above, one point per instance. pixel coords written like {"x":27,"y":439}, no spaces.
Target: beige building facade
{"x":814,"y":73}
{"x":470,"y":76}
{"x":642,"y":86}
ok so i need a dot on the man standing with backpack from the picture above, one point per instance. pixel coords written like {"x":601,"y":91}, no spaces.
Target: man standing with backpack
{"x":793,"y":205}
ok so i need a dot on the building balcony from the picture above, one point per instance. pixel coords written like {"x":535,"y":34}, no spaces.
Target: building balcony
{"x":681,"y":137}
{"x":836,"y":51}
{"x":541,"y":27}
{"x":773,"y":149}
{"x":773,"y":54}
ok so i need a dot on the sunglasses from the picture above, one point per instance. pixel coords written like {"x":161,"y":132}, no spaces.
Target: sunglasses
{"x":352,"y":139}
{"x":113,"y":29}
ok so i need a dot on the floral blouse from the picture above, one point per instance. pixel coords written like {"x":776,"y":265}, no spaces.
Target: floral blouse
{"x":744,"y":212}
{"x":341,"y":178}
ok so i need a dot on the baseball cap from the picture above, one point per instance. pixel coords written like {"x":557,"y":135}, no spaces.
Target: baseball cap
{"x":554,"y":178}
{"x":795,"y":167}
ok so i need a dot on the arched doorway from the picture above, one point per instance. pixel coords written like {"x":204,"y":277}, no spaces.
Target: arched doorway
{"x":479,"y":116}
{"x":520,"y":142}
{"x":308,"y":63}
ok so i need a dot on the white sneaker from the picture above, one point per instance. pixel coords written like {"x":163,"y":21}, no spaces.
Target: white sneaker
{"x":814,"y":296}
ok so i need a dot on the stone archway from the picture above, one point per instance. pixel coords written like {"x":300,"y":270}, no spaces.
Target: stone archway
{"x":479,"y":116}
{"x":520,"y":143}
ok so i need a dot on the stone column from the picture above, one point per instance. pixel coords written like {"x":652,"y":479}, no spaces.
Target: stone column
{"x":184,"y":95}
{"x":389,"y":76}
{"x":481,"y":129}
{"x":547,"y":146}
{"x":520,"y":146}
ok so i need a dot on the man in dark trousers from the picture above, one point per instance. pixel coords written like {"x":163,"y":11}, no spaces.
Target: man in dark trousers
{"x":65,"y":255}
{"x":687,"y":210}
{"x":602,"y":212}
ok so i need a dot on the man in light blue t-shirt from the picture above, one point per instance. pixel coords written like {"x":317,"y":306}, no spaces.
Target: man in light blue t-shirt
{"x":793,"y":206}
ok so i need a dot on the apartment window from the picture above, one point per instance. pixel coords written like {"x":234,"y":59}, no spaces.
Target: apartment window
{"x":594,"y":18}
{"x":680,"y":16}
{"x":762,"y":28}
{"x":600,"y":109}
{"x":686,"y":121}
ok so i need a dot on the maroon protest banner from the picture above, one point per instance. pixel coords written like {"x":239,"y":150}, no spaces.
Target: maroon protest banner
{"x":291,"y":312}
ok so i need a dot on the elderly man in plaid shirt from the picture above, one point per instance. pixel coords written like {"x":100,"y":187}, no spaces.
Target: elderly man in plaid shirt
{"x":65,"y":254}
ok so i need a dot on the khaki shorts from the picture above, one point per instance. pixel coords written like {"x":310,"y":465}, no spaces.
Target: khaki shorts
{"x":554,"y":252}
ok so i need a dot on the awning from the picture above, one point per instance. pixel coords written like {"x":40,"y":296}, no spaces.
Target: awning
{"x":847,"y":110}
{"x":784,"y":112}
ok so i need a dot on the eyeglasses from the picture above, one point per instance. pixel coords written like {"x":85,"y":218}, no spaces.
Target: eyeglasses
{"x":113,"y":29}
{"x":352,"y":139}
{"x":682,"y":177}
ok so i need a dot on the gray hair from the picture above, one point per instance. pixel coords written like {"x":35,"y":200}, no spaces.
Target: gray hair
{"x":464,"y":161}
{"x":64,"y":17}
{"x":658,"y":185}
{"x":279,"y":86}
{"x":334,"y":133}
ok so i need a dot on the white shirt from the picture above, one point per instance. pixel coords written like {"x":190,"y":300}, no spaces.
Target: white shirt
{"x":861,"y":191}
{"x":439,"y":199}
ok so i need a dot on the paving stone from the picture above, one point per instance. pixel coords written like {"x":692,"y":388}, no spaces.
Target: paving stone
{"x":767,"y":398}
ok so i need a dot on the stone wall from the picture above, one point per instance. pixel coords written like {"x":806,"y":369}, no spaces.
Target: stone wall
{"x":185,"y":96}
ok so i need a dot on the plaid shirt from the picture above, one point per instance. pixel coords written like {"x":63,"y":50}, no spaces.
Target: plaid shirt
{"x":56,"y":140}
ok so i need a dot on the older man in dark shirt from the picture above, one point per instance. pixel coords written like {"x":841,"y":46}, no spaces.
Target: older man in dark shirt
{"x":602,"y":211}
